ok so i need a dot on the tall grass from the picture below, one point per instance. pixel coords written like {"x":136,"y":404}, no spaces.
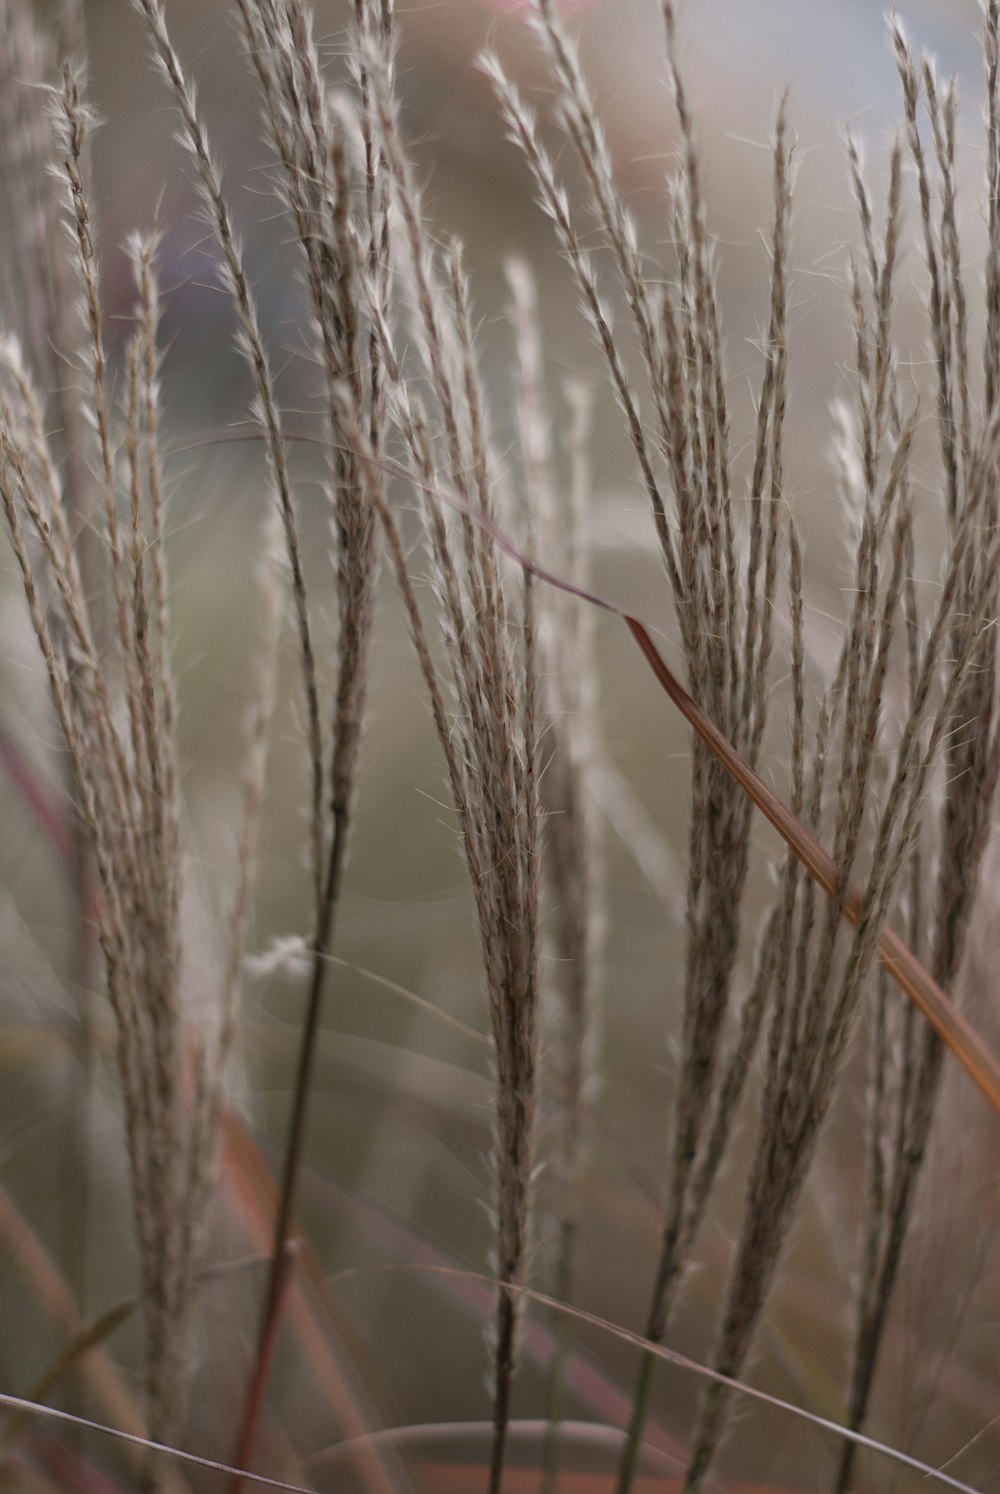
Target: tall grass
{"x":488,"y":545}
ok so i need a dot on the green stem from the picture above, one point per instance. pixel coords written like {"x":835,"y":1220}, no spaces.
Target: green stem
{"x":637,"y":1422}
{"x":667,"y":1272}
{"x":557,"y":1400}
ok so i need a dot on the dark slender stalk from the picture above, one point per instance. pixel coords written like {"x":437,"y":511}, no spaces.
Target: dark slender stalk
{"x":505,"y":1330}
{"x":281,"y":1257}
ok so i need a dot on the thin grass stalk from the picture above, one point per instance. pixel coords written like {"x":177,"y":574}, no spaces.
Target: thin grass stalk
{"x":512,"y":1011}
{"x":565,"y":648}
{"x":314,"y":162}
{"x":292,"y":1159}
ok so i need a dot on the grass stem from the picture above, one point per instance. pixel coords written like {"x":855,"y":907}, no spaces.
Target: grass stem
{"x":281,"y":1257}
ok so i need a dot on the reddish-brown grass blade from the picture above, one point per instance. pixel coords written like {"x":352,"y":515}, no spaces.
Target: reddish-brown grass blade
{"x":906,"y":970}
{"x":35,"y":795}
{"x":252,"y":1190}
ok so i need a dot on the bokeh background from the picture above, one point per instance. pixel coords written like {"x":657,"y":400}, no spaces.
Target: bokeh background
{"x":400,"y":1119}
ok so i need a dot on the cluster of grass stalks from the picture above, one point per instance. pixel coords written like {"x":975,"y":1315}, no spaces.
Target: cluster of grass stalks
{"x":893,"y":752}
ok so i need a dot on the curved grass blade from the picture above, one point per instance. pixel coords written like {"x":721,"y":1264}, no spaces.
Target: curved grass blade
{"x":88,"y":1338}
{"x":906,"y":970}
{"x":932,"y":1002}
{"x":682,"y":1362}
{"x":17,"y":1403}
{"x":253,"y":1193}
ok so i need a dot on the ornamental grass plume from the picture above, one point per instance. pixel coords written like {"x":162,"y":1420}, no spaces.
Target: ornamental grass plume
{"x":314,"y":185}
{"x":488,"y":722}
{"x":947,"y":858}
{"x":112,"y":688}
{"x":723,"y":601}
